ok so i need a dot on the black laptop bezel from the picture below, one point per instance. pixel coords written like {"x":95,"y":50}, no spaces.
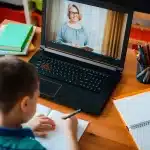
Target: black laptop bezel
{"x":91,"y":56}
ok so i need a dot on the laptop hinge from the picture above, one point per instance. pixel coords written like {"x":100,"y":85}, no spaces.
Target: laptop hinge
{"x":42,"y":47}
{"x":119,"y":69}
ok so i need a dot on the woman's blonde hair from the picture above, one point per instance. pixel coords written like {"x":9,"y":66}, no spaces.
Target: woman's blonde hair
{"x":73,"y":5}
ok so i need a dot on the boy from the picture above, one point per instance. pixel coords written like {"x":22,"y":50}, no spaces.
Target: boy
{"x":19,"y":90}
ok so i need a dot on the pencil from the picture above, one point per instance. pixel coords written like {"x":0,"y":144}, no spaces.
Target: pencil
{"x":72,"y":114}
{"x":148,"y":50}
{"x":147,"y":81}
{"x":141,"y":73}
{"x":145,"y":77}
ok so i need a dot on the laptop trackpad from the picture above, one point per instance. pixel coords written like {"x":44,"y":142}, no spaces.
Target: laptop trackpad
{"x":49,"y":88}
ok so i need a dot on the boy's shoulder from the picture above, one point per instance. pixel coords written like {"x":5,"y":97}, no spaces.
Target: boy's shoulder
{"x":15,"y":143}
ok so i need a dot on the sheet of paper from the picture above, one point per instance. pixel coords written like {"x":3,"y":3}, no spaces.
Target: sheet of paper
{"x":56,"y":139}
{"x":42,"y":110}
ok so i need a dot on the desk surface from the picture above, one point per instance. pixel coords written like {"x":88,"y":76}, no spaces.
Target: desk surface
{"x":106,"y":132}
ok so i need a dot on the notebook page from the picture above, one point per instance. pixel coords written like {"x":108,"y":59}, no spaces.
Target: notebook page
{"x":42,"y":110}
{"x":141,"y":136}
{"x":134,"y":109}
{"x":56,"y":139}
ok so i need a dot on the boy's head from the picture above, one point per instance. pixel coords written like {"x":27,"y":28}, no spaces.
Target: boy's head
{"x":19,"y":88}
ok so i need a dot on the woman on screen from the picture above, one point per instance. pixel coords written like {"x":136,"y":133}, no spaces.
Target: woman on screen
{"x":72,"y":32}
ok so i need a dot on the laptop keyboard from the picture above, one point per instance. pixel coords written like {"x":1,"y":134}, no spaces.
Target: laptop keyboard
{"x":70,"y":73}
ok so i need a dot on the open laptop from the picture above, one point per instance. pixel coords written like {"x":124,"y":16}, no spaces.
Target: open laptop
{"x":82,"y":52}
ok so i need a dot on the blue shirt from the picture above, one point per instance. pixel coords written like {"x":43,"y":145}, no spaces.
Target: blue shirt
{"x":18,"y":139}
{"x":69,"y":36}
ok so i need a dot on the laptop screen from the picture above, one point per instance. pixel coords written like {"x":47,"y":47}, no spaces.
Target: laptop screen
{"x":84,"y":29}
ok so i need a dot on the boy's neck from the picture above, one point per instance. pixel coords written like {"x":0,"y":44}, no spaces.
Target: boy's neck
{"x":9,"y":120}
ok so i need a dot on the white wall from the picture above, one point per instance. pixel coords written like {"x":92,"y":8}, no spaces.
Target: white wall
{"x":94,"y":24}
{"x":97,"y":29}
{"x":15,"y":2}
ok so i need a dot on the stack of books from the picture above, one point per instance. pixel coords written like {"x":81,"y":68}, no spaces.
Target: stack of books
{"x":16,"y":38}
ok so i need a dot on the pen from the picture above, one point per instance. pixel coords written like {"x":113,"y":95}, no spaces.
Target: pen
{"x":146,"y":54}
{"x":48,"y":113}
{"x":72,"y":114}
{"x":139,"y":65}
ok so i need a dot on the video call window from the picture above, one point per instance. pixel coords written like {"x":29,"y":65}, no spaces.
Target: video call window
{"x":86,"y":27}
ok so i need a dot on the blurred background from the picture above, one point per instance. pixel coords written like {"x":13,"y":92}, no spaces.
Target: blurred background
{"x":25,"y":11}
{"x":30,"y":11}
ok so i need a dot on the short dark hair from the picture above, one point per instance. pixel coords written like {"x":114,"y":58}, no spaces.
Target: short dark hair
{"x":17,"y":79}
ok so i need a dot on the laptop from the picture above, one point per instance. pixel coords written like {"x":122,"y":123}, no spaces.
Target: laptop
{"x":82,"y":52}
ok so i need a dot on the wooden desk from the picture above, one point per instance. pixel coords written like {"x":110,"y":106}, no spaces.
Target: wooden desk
{"x":106,"y":132}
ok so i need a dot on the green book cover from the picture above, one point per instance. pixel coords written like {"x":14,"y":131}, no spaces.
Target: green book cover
{"x":15,"y":36}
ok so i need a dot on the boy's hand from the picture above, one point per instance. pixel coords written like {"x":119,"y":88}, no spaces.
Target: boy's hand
{"x":71,"y":126}
{"x":41,"y":125}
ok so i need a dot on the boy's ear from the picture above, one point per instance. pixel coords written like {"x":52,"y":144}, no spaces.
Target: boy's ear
{"x":25,"y":103}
